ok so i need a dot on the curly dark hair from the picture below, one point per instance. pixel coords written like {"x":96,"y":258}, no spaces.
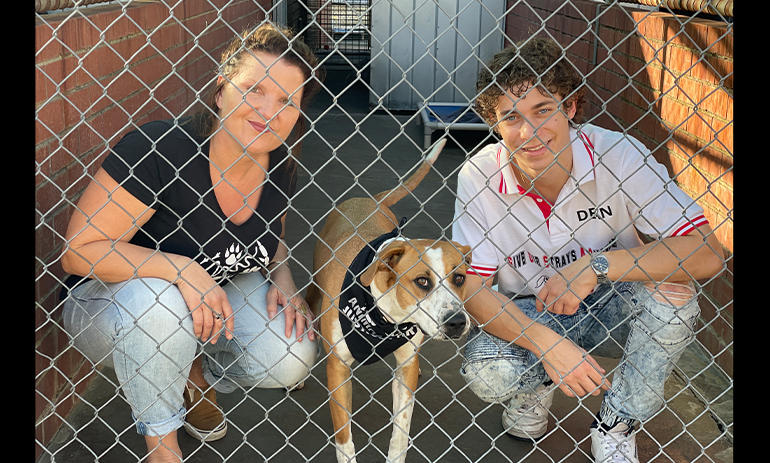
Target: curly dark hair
{"x":275,"y":41}
{"x":538,"y":61}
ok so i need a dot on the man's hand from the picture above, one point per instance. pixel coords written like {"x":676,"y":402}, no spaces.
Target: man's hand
{"x":574,"y":371}
{"x":563,"y":292}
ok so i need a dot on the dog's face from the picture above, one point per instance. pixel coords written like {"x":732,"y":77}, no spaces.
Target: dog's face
{"x":422,"y":281}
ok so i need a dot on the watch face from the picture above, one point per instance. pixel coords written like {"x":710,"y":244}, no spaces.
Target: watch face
{"x":601,"y":265}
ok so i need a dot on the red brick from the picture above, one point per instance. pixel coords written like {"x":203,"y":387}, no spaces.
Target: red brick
{"x":44,"y":243}
{"x":652,"y":25}
{"x":198,"y":23}
{"x":47,"y":47}
{"x":651,"y":77}
{"x":680,"y":60}
{"x":723,"y":136}
{"x":724,"y":192}
{"x":102,"y":19}
{"x":47,"y":196}
{"x":62,"y":75}
{"x":43,"y":138}
{"x":650,"y":52}
{"x":715,"y":101}
{"x":88,"y":138}
{"x":121,"y":86}
{"x":48,"y":284}
{"x":76,"y":106}
{"x":45,"y":86}
{"x":42,"y":162}
{"x":585,"y":9}
{"x":152,"y":70}
{"x":722,"y":70}
{"x":131,"y":48}
{"x":699,"y":124}
{"x":702,"y":71}
{"x":117,"y":26}
{"x":51,"y":115}
{"x":76,"y":181}
{"x":720,"y":40}
{"x":619,"y":18}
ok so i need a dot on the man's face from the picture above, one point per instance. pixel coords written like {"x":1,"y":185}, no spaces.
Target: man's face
{"x":534,"y":127}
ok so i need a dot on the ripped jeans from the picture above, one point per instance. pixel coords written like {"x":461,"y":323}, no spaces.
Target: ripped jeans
{"x":647,"y":329}
{"x":143,"y":328}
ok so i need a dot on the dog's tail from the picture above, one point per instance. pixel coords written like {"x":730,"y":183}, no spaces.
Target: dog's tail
{"x":388,"y":198}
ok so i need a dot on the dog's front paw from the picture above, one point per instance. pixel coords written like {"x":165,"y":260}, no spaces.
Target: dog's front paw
{"x":346,"y":453}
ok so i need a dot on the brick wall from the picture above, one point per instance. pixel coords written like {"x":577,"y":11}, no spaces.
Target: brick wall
{"x":98,"y":75}
{"x":671,"y":86}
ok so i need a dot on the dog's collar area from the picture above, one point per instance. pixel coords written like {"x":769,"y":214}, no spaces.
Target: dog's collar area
{"x":369,"y":335}
{"x":394,"y":235}
{"x":386,"y":243}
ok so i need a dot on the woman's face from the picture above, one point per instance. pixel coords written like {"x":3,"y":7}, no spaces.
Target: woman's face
{"x":260,"y":104}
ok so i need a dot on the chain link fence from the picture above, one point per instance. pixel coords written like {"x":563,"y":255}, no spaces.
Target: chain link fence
{"x":399,"y":77}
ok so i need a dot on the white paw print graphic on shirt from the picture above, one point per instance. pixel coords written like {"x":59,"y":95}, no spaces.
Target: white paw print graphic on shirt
{"x":232,"y":255}
{"x":236,"y":260}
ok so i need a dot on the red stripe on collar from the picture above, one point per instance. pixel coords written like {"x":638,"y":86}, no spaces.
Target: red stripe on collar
{"x":587,"y":143}
{"x":503,"y":187}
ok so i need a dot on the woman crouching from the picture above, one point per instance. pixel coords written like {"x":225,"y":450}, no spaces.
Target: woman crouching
{"x":180,"y":278}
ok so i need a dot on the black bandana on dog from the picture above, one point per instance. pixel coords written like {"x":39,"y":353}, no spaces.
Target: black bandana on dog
{"x":369,"y":335}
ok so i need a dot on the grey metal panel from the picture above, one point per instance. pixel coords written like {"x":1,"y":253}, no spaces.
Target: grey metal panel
{"x":430,"y":51}
{"x":279,"y":15}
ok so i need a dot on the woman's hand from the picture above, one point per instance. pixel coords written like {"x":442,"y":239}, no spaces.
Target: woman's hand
{"x":284,"y":292}
{"x":208,"y":303}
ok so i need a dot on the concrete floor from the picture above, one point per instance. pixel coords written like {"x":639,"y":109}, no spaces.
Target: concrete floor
{"x":450,"y":424}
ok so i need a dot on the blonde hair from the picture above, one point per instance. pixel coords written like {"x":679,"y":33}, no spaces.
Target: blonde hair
{"x":275,"y":41}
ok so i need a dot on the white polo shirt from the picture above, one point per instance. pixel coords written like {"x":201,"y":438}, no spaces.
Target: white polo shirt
{"x":615,"y":185}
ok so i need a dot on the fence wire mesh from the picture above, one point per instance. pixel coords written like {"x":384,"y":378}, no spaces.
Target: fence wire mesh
{"x":396,"y":78}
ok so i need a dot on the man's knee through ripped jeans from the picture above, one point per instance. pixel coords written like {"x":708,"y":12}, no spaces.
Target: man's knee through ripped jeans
{"x":659,"y":334}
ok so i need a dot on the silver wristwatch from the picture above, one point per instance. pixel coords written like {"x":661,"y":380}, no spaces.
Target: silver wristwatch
{"x":601,"y":267}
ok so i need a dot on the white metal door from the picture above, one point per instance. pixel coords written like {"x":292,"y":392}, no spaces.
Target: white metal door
{"x":430,"y":51}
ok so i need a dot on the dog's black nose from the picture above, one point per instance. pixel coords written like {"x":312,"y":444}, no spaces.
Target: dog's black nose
{"x":454,"y":324}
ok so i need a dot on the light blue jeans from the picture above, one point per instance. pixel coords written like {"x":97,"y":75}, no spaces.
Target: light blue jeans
{"x":647,"y":330}
{"x":143,"y":328}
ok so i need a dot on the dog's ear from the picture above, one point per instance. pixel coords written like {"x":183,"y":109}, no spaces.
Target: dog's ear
{"x":465,"y":251}
{"x":385,"y":260}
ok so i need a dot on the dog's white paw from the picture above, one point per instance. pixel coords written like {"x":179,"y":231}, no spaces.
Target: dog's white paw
{"x":346,"y":452}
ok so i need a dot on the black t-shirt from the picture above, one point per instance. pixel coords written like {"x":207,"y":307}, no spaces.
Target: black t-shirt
{"x":166,"y":166}
{"x":368,"y":334}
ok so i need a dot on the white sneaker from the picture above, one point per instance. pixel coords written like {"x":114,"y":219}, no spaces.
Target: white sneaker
{"x":618,"y":445}
{"x":526,"y":415}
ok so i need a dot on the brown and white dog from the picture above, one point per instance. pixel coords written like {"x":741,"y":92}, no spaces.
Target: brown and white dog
{"x":412,"y":281}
